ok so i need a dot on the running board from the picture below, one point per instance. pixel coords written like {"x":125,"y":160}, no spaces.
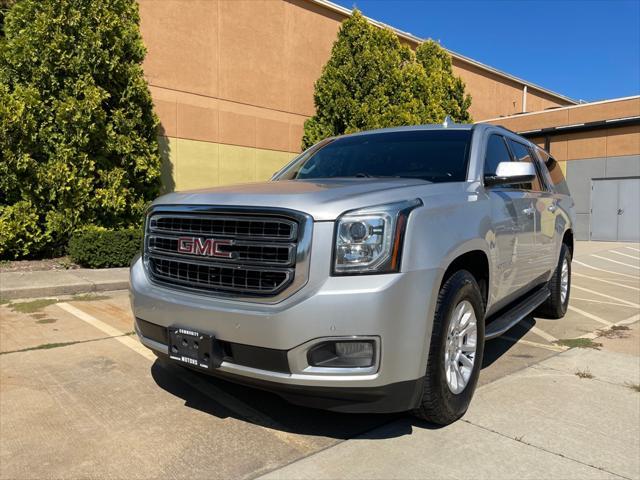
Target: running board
{"x":515,"y":314}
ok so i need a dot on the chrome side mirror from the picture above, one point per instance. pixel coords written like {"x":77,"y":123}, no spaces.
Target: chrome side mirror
{"x":511,"y":173}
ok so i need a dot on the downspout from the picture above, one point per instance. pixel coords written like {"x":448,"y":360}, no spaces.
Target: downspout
{"x":524,"y":99}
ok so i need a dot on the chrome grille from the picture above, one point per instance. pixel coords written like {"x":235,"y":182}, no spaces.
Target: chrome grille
{"x":218,"y":225}
{"x":227,"y":252}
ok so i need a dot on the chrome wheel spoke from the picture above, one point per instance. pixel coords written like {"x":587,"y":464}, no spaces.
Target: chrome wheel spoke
{"x":564,"y":280}
{"x":461,"y":346}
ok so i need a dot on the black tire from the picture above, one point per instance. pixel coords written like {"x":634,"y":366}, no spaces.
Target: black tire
{"x":554,"y":307}
{"x":439,"y":404}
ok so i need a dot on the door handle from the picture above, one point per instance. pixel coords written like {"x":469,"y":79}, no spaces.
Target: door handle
{"x":529,"y":211}
{"x":552,"y":208}
{"x":620,"y":211}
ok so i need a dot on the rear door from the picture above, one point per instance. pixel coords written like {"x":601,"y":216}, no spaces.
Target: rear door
{"x":542,"y":211}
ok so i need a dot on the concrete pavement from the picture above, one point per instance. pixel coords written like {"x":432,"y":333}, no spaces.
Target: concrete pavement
{"x":544,"y":421}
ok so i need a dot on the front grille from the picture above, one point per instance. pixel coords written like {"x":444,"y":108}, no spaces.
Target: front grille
{"x":218,"y":225}
{"x":230,"y":253}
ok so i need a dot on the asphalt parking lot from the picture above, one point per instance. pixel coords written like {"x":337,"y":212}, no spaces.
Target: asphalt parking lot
{"x":80,"y":397}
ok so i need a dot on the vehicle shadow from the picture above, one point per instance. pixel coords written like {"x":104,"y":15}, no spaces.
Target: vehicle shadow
{"x":224,"y":399}
{"x":496,"y":348}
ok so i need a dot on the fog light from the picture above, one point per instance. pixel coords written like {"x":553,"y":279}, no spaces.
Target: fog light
{"x":342,"y":354}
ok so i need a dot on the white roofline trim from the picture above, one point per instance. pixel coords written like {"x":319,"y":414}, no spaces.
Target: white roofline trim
{"x":599,"y":102}
{"x":413,"y":38}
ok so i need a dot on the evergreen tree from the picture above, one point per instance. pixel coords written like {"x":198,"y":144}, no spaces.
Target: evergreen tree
{"x":78,"y":141}
{"x":446,"y":89}
{"x":370,"y":81}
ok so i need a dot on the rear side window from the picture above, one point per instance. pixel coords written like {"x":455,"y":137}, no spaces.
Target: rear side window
{"x":552,"y":172}
{"x":496,"y":152}
{"x":523,"y":154}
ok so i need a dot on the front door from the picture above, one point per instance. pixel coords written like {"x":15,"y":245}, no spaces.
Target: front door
{"x":514,"y":217}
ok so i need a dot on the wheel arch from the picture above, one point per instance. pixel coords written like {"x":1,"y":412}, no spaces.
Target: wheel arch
{"x":567,"y":239}
{"x":476,"y":262}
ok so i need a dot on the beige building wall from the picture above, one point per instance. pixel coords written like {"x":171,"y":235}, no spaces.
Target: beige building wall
{"x":601,"y":143}
{"x":232,"y":83}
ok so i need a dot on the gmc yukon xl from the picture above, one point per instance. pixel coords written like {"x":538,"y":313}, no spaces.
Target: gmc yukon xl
{"x":368,"y":273}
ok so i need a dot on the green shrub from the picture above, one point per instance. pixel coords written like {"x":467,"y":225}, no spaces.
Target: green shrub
{"x":78,"y":142}
{"x":97,"y":247}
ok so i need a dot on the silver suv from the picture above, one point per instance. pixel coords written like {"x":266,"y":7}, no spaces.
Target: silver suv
{"x":367,"y":274}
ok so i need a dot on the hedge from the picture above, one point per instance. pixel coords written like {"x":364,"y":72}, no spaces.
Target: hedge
{"x":96,"y":247}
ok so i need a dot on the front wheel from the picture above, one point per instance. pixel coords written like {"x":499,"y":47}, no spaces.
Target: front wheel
{"x":455,"y":353}
{"x":559,"y":287}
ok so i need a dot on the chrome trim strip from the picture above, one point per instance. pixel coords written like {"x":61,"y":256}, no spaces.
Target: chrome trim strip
{"x":202,"y":287}
{"x":242,"y":243}
{"x":291,"y":237}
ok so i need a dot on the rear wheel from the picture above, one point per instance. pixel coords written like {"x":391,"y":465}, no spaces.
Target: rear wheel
{"x":560,"y":288}
{"x":455,"y":354}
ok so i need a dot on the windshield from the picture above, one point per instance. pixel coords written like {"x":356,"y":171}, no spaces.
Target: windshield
{"x":432,"y":155}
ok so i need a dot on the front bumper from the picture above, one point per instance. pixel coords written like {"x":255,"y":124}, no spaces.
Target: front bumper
{"x":394,"y":309}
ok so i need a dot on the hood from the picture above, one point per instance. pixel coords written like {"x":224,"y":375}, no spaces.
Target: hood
{"x":323,"y":199}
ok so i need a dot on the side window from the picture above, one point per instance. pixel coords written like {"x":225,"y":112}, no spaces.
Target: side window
{"x":523,"y":154}
{"x":552,"y":172}
{"x":496,"y":152}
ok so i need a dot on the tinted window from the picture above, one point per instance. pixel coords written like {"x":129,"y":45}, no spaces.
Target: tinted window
{"x":496,"y":152}
{"x":552,"y":172}
{"x":523,"y":154}
{"x":433,"y":155}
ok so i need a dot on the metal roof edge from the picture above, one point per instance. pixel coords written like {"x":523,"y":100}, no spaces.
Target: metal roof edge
{"x":599,"y":102}
{"x":409,"y":36}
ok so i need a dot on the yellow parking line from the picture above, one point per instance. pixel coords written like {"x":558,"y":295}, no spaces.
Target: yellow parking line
{"x":615,"y":261}
{"x":599,"y":301}
{"x":590,"y":315}
{"x":108,"y":329}
{"x":631,"y":304}
{"x":635,"y":277}
{"x":624,"y":254}
{"x":606,"y":281}
{"x":553,"y":348}
{"x":627,"y":321}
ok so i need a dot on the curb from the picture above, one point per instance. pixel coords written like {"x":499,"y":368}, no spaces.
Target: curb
{"x":18,"y":285}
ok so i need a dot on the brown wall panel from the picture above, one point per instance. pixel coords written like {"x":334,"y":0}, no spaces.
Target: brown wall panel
{"x":491,"y":94}
{"x":237,"y":129}
{"x":253,"y":53}
{"x":167,"y":113}
{"x":623,"y":141}
{"x":197,"y":122}
{"x":181,"y":40}
{"x":309,"y":52}
{"x":587,"y":145}
{"x":604,"y":111}
{"x":253,"y":61}
{"x":272,"y":134}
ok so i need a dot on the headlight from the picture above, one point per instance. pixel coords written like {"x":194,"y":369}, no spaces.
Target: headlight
{"x":370,"y":240}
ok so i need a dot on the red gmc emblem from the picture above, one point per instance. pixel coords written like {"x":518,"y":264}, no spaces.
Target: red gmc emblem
{"x":208,"y":247}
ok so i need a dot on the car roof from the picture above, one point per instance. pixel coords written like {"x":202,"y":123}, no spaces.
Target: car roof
{"x":412,"y":128}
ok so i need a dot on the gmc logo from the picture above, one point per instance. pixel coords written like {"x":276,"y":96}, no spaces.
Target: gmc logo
{"x":206,"y":247}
